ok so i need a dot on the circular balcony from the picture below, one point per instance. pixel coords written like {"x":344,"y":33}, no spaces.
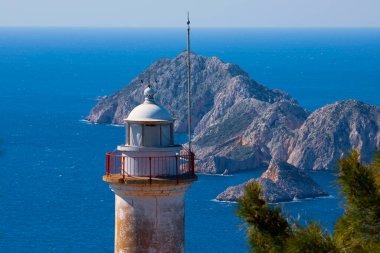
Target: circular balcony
{"x":125,"y":169}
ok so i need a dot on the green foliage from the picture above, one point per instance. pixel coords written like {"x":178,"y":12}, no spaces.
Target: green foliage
{"x":375,"y":166}
{"x":310,"y":239}
{"x":358,"y":230}
{"x":268,"y":229}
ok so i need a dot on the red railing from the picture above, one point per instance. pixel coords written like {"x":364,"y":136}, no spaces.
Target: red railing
{"x":176,"y":167}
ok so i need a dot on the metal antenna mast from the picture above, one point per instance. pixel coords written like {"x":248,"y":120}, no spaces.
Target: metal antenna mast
{"x":188,"y":81}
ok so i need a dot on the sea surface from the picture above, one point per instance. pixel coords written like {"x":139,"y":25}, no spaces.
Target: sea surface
{"x":52,"y":197}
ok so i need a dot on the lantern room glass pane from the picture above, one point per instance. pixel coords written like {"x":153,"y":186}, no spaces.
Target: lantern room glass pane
{"x":127,"y":134}
{"x":165,"y":135}
{"x":152,"y":135}
{"x":136,"y":135}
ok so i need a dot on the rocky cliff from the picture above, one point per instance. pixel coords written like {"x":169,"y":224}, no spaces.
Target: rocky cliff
{"x":216,"y":86}
{"x":281,"y":182}
{"x":249,"y":135}
{"x":334,"y":130}
{"x":240,"y":125}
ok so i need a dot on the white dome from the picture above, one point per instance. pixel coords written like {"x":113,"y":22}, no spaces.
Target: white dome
{"x":149,"y":112}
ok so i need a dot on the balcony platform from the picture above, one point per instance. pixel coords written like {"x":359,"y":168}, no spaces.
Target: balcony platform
{"x":154,"y":181}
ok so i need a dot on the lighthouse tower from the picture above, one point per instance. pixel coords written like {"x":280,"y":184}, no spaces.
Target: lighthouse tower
{"x":149,"y":175}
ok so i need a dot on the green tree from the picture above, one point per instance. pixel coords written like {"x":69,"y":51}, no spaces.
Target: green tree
{"x":310,"y":239}
{"x":358,"y":230}
{"x":268,"y":229}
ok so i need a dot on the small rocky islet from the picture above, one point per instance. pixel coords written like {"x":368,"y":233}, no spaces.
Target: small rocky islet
{"x":240,"y":124}
{"x":281,"y":182}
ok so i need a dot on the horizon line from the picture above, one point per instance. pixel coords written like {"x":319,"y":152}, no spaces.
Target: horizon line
{"x":198,"y":27}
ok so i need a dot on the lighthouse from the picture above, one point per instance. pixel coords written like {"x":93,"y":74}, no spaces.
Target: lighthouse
{"x":149,"y":175}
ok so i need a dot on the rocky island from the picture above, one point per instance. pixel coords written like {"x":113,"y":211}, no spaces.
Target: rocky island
{"x":240,"y":124}
{"x":281,"y":182}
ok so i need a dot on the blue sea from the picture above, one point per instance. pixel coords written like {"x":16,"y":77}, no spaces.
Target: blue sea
{"x":52,"y":197}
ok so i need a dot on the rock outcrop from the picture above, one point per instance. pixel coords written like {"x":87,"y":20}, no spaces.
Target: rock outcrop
{"x":334,"y":130}
{"x":248,"y":136}
{"x":216,"y":86}
{"x":281,"y":182}
{"x":241,"y":125}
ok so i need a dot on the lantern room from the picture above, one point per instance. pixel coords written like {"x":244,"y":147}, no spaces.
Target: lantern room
{"x":149,"y":150}
{"x":149,"y":124}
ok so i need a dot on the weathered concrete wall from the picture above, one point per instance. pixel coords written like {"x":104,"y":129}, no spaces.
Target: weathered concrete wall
{"x":149,"y":219}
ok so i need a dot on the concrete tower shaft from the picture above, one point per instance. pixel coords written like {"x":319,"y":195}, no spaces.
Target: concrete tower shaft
{"x":150,"y":219}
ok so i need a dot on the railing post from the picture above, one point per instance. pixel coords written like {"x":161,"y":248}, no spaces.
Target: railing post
{"x":150,"y":170}
{"x":122,"y":166}
{"x":108,"y":157}
{"x":176,"y":168}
